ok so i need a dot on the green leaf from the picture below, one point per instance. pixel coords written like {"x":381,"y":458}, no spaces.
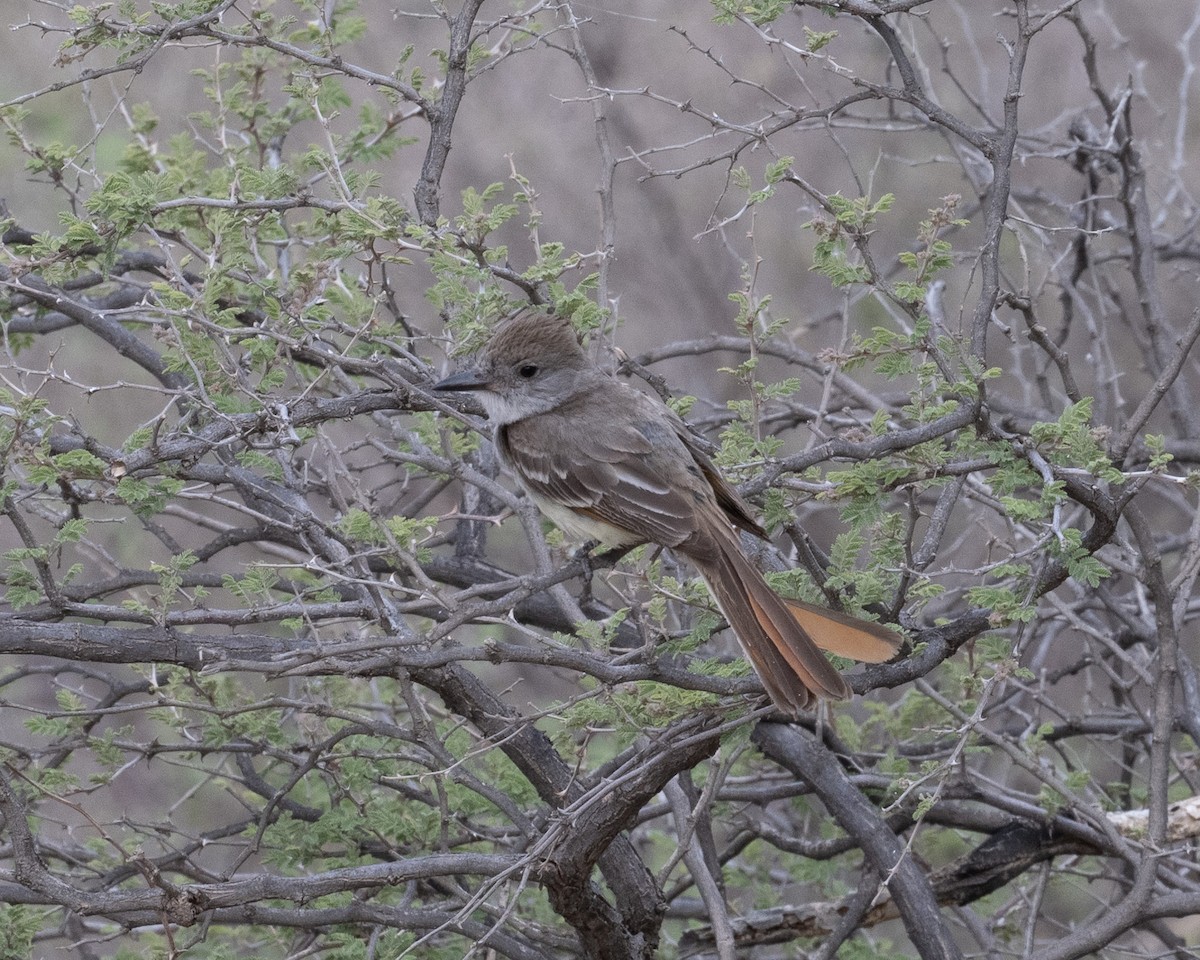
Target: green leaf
{"x":79,"y":464}
{"x":814,"y":40}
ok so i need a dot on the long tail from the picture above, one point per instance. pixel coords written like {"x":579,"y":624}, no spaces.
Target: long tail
{"x":785,"y":657}
{"x":775,"y":633}
{"x":845,"y":635}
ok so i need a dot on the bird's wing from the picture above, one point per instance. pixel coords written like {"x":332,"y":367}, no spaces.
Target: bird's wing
{"x":631,"y":471}
{"x":736,"y":510}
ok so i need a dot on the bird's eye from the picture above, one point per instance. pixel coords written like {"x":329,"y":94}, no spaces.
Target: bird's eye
{"x":527,"y":370}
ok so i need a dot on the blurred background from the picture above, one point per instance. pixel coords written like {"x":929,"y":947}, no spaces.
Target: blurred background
{"x":676,"y":255}
{"x":642,"y":136}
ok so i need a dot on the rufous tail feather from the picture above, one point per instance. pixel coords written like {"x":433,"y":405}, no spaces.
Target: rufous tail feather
{"x":784,"y":655}
{"x":845,"y":635}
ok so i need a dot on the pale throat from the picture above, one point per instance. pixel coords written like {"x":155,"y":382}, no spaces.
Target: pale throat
{"x":503,"y":409}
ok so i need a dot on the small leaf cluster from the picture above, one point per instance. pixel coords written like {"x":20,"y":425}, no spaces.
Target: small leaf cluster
{"x":933,"y":253}
{"x":758,"y":12}
{"x":840,"y":232}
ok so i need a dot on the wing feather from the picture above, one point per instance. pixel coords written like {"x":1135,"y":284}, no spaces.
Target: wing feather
{"x":625,"y":473}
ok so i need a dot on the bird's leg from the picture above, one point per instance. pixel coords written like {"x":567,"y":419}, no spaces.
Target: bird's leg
{"x":582,"y":555}
{"x":590,"y":562}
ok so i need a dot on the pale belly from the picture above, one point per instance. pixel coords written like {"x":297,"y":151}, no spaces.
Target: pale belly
{"x":582,"y":527}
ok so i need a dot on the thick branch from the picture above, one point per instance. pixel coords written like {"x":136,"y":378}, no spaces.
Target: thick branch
{"x":909,"y":885}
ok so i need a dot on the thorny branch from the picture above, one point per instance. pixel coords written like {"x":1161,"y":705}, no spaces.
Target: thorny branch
{"x":263,"y":583}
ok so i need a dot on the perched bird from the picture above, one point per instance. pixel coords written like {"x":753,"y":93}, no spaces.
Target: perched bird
{"x":607,"y":462}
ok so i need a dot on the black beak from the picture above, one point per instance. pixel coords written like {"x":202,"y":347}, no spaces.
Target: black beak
{"x":463,"y":380}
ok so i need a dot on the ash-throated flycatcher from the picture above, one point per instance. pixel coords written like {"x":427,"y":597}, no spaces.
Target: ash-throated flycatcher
{"x":607,"y":462}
